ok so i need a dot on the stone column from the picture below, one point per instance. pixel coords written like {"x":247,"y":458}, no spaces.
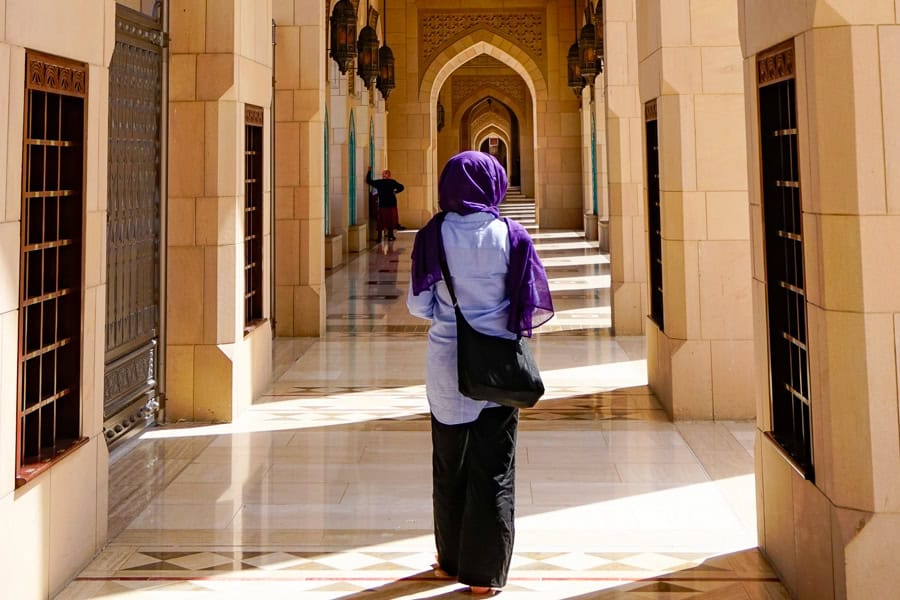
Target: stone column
{"x":691,"y":67}
{"x":587,"y":183}
{"x":220,"y":61}
{"x":340,"y":103}
{"x":602,"y":162}
{"x":299,"y":167}
{"x":839,"y":535}
{"x":624,"y":126}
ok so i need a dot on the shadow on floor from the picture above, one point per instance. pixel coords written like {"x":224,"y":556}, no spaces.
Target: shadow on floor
{"x":424,"y":581}
{"x":744,"y":575}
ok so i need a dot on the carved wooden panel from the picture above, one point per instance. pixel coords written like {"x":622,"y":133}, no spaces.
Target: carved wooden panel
{"x":650,"y":110}
{"x":56,"y":75}
{"x":253,"y":115}
{"x":439,"y":29}
{"x":775,"y":64}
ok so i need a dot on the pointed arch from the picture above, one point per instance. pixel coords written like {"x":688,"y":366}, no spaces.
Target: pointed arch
{"x":484,"y":91}
{"x":490,"y":131}
{"x":475,"y":44}
{"x":464,"y":49}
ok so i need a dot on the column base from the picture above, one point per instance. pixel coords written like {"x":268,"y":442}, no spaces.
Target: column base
{"x":357,"y":237}
{"x":334,"y":251}
{"x":591,"y":232}
{"x":603,"y":234}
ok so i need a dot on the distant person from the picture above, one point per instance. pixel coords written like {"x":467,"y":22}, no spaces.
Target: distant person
{"x":503,"y":291}
{"x":387,"y":189}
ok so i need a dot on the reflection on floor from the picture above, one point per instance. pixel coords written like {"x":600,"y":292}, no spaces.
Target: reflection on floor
{"x":322,"y":489}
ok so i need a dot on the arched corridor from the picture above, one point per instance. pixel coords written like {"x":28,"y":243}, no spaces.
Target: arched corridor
{"x":209,"y":382}
{"x":322,"y":488}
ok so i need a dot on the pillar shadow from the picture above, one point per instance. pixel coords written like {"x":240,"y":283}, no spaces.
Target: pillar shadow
{"x":424,"y":581}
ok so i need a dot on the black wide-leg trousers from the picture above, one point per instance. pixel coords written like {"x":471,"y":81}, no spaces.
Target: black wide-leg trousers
{"x":474,"y":475}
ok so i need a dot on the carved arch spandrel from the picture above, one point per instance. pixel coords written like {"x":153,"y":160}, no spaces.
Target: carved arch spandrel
{"x":441,"y":29}
{"x":435,"y":74}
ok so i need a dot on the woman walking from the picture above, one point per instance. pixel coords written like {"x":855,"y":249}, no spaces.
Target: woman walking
{"x":502,"y":289}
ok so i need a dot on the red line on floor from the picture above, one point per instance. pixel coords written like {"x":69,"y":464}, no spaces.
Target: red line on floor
{"x":437,"y":580}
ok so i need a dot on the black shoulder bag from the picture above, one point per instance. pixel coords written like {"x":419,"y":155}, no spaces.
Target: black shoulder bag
{"x":492,"y":368}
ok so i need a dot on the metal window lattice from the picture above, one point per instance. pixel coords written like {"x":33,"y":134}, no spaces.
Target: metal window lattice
{"x":253,"y":234}
{"x":133,"y":226}
{"x":654,"y":219}
{"x":786,"y":286}
{"x":50,"y":294}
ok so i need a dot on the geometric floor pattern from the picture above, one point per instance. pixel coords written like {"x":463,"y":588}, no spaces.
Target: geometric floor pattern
{"x":321,"y":489}
{"x":399,"y":575}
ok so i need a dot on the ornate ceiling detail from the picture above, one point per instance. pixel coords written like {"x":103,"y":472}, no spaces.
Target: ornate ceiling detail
{"x":439,"y":29}
{"x":464,"y":86}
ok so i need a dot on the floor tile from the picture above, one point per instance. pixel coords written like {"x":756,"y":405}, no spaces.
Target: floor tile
{"x":322,"y":489}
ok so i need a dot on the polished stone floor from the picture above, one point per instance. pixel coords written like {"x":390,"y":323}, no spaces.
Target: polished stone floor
{"x":322,"y":489}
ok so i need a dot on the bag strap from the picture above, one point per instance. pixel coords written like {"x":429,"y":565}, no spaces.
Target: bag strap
{"x":445,"y":269}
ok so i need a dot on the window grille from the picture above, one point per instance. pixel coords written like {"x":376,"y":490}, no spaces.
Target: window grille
{"x":253,"y":233}
{"x":51,"y":263}
{"x":785,"y":281}
{"x":654,"y":220}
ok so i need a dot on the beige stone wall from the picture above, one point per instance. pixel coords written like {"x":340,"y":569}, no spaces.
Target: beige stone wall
{"x":220,"y":60}
{"x":624,"y":135}
{"x":840,"y":536}
{"x":55,"y":523}
{"x":691,"y":64}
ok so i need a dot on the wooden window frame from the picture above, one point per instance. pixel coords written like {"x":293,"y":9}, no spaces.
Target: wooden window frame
{"x":253,"y":217}
{"x":786,"y":302}
{"x":654,"y":215}
{"x":51,"y":264}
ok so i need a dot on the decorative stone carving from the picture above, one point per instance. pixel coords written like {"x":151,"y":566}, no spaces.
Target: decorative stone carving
{"x":464,"y":86}
{"x":439,"y":29}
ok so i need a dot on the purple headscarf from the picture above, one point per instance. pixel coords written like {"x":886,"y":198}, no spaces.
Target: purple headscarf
{"x":476,"y":182}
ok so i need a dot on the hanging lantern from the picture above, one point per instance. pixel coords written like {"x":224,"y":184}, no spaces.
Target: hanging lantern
{"x":385,"y":82}
{"x":343,"y":34}
{"x":367,"y":62}
{"x":573,"y":60}
{"x":440,"y":115}
{"x":587,"y":47}
{"x":576,"y":81}
{"x":600,"y":41}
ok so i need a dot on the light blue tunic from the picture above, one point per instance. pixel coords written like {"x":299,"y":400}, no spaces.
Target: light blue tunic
{"x":477,"y":249}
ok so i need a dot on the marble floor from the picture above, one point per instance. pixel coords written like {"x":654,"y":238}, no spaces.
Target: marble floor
{"x":322,"y":489}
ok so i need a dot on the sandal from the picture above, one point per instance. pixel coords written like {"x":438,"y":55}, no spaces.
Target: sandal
{"x":483,"y":591}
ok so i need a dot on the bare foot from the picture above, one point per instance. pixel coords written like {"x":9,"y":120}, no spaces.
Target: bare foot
{"x":438,"y":571}
{"x":481,"y":590}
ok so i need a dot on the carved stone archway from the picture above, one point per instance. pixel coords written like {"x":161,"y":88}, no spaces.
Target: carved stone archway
{"x":450,"y":59}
